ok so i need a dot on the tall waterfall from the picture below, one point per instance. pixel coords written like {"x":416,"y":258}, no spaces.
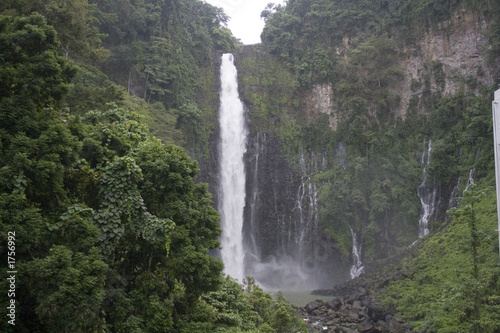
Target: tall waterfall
{"x":232,"y":147}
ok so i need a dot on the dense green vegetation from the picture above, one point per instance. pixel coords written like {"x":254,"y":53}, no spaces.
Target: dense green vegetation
{"x":111,"y":231}
{"x":160,"y":51}
{"x":453,"y":283}
{"x":306,"y":33}
{"x":359,"y":49}
{"x":164,"y":52}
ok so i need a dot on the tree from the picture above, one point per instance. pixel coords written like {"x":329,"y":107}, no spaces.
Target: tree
{"x":54,"y":238}
{"x":453,"y":282}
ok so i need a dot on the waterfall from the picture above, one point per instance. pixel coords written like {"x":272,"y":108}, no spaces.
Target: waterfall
{"x":357,"y":267}
{"x":454,"y":194}
{"x":232,"y":147}
{"x":470,"y":180}
{"x":289,"y":251}
{"x":307,"y":223}
{"x":252,"y":249}
{"x":426,"y":194}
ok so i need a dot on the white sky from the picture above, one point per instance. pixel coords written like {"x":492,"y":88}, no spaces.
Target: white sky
{"x":245,"y":22}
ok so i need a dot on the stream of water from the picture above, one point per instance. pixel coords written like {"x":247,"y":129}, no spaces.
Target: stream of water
{"x":233,"y":136}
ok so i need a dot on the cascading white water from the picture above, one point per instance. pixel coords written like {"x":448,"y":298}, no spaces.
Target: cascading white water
{"x":452,"y":202}
{"x":470,"y":181}
{"x":233,"y":136}
{"x":357,"y":267}
{"x":300,"y":255}
{"x":253,"y":251}
{"x":426,"y":195}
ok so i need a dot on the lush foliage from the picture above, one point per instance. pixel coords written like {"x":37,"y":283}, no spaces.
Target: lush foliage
{"x":453,"y":283}
{"x":374,"y":145}
{"x":372,"y":140}
{"x":236,"y":308}
{"x":74,"y":21}
{"x":311,"y":28}
{"x":112,"y":233}
{"x":164,"y":52}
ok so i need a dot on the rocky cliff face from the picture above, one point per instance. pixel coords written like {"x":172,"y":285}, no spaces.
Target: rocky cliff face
{"x":443,"y":60}
{"x":447,"y":57}
{"x":286,"y":248}
{"x":320,"y":100}
{"x":285,"y":243}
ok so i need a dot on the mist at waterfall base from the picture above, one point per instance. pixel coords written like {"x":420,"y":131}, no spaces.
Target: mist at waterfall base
{"x":290,"y":269}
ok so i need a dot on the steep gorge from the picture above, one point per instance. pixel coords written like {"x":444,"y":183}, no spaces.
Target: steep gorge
{"x":311,"y":148}
{"x":367,"y":120}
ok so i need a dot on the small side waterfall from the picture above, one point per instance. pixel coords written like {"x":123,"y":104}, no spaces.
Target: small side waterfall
{"x":284,"y":246}
{"x":307,"y":222}
{"x":470,"y":180}
{"x":254,"y":198}
{"x":357,"y":267}
{"x":426,"y":194}
{"x":233,"y":136}
{"x":452,"y":202}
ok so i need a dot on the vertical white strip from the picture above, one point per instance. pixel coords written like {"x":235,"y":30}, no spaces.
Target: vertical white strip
{"x":232,"y":169}
{"x":357,"y":266}
{"x":496,"y":139}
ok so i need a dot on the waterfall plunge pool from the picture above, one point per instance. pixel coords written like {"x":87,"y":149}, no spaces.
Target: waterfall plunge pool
{"x":299,"y":297}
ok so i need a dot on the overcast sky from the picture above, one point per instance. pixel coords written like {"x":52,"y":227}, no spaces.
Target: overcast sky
{"x":245,"y":22}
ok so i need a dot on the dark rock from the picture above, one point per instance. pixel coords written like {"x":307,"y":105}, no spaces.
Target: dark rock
{"x":334,"y":304}
{"x":392,"y":310}
{"x":366,"y":326}
{"x":316,"y":312}
{"x":363,"y":282}
{"x":395,"y":326}
{"x":355,"y":308}
{"x":322,"y":292}
{"x":352,"y":316}
{"x":353,"y":297}
{"x":357,"y":305}
{"x":313,"y":306}
{"x":366,"y":302}
{"x":376,"y":312}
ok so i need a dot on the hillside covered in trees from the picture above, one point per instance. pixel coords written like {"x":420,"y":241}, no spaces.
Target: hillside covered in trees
{"x":383,"y":108}
{"x":109,"y":231}
{"x":356,"y":110}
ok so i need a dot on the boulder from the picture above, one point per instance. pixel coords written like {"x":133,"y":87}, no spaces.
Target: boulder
{"x":353,"y":297}
{"x":366,"y":326}
{"x":376,"y":312}
{"x":356,"y":305}
{"x":310,"y":307}
{"x":334,"y":304}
